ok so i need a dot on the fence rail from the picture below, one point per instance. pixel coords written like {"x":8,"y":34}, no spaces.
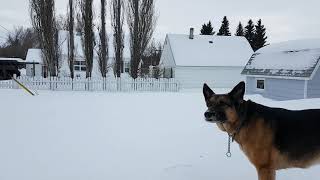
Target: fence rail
{"x":95,"y":84}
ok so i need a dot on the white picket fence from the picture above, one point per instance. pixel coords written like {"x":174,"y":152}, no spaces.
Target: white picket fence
{"x":95,"y":84}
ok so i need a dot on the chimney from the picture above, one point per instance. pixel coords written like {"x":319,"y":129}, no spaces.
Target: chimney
{"x":191,"y":35}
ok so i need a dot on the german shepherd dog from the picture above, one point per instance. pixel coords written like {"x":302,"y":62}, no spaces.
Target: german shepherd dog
{"x":271,"y":138}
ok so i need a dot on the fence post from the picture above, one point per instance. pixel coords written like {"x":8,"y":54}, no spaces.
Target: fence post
{"x":14,"y":85}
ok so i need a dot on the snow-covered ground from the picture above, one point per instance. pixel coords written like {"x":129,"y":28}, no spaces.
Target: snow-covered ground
{"x":121,"y":136}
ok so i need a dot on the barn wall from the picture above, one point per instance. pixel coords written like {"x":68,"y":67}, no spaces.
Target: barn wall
{"x":216,"y":77}
{"x":278,"y":89}
{"x":250,"y":85}
{"x":313,"y":89}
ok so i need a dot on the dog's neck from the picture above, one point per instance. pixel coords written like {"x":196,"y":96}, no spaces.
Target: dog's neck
{"x":235,"y":128}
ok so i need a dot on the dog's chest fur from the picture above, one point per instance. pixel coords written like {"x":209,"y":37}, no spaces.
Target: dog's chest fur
{"x":255,"y":140}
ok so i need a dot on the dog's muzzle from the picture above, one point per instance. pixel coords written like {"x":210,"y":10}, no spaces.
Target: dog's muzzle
{"x":212,"y":116}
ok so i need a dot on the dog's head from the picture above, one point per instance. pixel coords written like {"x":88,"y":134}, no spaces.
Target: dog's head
{"x":223,"y":108}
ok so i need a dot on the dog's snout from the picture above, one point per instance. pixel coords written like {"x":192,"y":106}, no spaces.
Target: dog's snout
{"x":208,"y":114}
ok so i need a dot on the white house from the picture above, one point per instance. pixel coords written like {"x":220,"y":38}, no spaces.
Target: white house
{"x":36,"y":67}
{"x":195,"y":59}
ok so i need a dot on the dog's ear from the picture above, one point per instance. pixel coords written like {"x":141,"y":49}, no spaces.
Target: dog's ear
{"x":237,"y":92}
{"x":207,"y":92}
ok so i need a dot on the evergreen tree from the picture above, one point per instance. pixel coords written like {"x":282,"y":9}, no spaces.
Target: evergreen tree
{"x":249,"y":33}
{"x":260,"y":36}
{"x":224,"y":29}
{"x":240,"y":31}
{"x":207,"y":29}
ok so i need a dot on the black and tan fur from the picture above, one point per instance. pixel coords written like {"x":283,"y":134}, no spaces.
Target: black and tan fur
{"x":271,"y":138}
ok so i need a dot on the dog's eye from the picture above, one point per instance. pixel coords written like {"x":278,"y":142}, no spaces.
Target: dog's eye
{"x":221,"y":104}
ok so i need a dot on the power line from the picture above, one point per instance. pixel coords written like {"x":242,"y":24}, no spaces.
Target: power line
{"x":4,"y":28}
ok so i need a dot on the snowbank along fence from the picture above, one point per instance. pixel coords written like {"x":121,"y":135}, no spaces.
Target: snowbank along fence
{"x":95,"y":84}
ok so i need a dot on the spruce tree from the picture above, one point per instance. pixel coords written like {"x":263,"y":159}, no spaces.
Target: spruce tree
{"x":249,"y":33}
{"x":224,"y":29}
{"x":207,"y":29}
{"x":240,"y":31}
{"x":260,"y":36}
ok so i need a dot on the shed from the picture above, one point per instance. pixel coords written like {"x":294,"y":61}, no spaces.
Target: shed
{"x":9,"y":67}
{"x":195,"y":59}
{"x":34,"y":63}
{"x":285,"y":71}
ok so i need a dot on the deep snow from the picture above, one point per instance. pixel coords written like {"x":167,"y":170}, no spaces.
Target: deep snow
{"x":121,"y":136}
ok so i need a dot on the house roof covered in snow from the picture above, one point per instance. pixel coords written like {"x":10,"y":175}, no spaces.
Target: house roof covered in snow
{"x":12,"y":59}
{"x":205,"y":50}
{"x":291,"y":59}
{"x":34,"y":56}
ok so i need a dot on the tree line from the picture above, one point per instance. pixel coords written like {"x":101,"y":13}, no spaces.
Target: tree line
{"x":254,"y":33}
{"x":139,"y":15}
{"x":17,"y":42}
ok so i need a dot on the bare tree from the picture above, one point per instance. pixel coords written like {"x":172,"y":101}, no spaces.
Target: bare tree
{"x":62,"y":22}
{"x":42,"y":14}
{"x":88,"y":34}
{"x":79,"y":23}
{"x":117,"y":19}
{"x":71,"y":38}
{"x":149,"y":66}
{"x":141,"y":19}
{"x":103,"y":43}
{"x":18,"y":42}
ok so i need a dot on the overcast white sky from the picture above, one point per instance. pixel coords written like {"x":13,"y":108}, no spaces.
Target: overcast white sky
{"x":284,"y":19}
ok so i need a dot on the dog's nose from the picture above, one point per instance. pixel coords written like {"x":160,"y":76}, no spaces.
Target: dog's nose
{"x":209,"y":114}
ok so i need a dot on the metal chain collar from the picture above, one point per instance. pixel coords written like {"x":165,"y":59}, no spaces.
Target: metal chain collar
{"x":228,"y":154}
{"x":232,"y":136}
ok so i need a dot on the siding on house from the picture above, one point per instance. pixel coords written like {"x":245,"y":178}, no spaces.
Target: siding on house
{"x":38,"y":70}
{"x":167,"y":59}
{"x":313,"y":88}
{"x":277,"y":89}
{"x":216,"y":77}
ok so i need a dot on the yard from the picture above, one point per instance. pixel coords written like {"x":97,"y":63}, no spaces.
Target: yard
{"x":121,"y":136}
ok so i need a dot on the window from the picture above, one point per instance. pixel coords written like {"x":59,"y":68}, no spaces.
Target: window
{"x":126,"y":67}
{"x":260,"y":84}
{"x":80,"y":66}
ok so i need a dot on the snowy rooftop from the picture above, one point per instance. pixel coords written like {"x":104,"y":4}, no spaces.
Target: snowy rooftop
{"x":11,"y":59}
{"x":206,"y":50}
{"x":297,"y":59}
{"x":34,"y":56}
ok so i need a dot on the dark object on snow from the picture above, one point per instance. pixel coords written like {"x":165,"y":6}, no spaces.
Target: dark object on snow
{"x":9,"y":67}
